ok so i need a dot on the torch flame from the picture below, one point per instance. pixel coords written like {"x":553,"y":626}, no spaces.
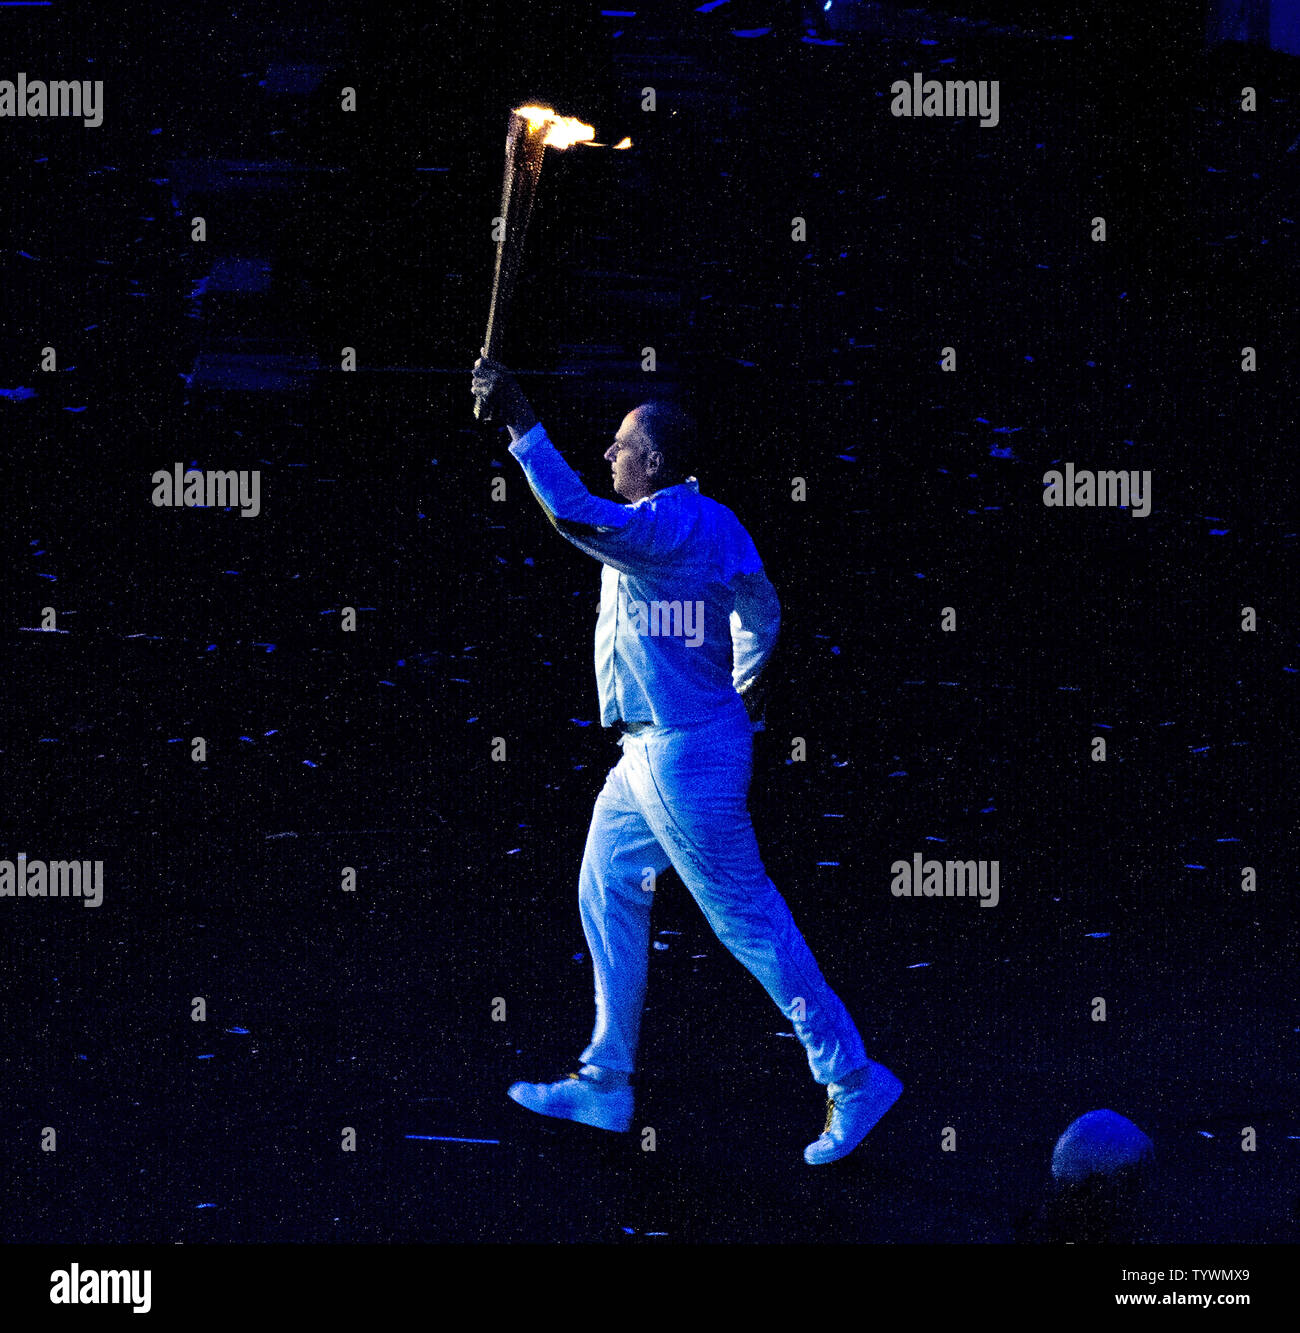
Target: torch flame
{"x":623,"y":143}
{"x":561,"y":131}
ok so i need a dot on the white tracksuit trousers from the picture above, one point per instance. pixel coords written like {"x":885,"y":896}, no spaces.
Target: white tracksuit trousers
{"x":678,"y":796}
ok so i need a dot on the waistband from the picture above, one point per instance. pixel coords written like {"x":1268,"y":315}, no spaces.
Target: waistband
{"x":734,"y":715}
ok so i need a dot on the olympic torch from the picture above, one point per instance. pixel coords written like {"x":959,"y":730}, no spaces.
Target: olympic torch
{"x":532,"y":130}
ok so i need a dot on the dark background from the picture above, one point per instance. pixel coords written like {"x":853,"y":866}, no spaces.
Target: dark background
{"x":816,"y":359}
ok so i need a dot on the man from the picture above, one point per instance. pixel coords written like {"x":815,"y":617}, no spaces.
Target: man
{"x":687,"y":621}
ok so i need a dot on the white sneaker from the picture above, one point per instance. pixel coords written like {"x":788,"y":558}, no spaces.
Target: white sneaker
{"x":578,"y":1098}
{"x":851,"y":1113}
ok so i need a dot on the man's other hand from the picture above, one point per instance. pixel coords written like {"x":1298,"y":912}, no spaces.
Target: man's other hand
{"x":754,"y":697}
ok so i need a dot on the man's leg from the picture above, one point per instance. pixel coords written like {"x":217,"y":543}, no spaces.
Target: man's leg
{"x":692,"y":784}
{"x":620,"y":865}
{"x":621,"y":862}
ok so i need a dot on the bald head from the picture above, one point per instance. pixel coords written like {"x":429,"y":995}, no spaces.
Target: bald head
{"x":671,"y":432}
{"x":654,"y":448}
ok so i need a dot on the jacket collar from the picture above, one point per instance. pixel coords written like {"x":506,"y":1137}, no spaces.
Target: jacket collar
{"x":693,"y":483}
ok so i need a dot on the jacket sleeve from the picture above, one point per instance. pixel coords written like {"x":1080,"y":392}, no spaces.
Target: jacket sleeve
{"x":628,"y":537}
{"x":755,"y":626}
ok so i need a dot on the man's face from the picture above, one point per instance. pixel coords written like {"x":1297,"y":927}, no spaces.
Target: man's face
{"x":635,"y":464}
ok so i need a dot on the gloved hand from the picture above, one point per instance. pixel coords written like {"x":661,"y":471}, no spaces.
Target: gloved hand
{"x":503,"y":400}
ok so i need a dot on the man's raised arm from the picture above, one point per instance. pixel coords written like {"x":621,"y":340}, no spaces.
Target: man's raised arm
{"x":624,"y":536}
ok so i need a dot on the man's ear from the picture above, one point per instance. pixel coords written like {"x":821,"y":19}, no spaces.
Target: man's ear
{"x":654,"y":461}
